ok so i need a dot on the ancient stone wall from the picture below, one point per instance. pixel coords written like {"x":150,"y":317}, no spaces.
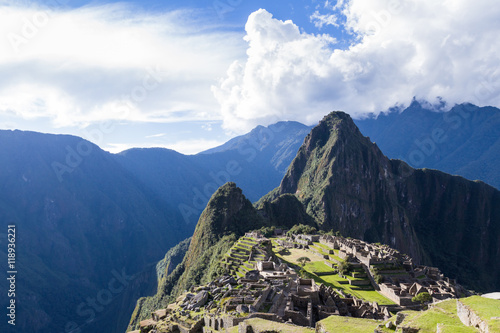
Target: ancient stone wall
{"x":470,"y":318}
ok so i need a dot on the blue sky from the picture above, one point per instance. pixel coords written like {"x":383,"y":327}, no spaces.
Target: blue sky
{"x":189,"y":75}
{"x":234,"y":13}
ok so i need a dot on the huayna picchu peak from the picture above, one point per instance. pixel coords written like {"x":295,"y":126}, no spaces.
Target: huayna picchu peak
{"x":339,"y":183}
{"x":347,"y":184}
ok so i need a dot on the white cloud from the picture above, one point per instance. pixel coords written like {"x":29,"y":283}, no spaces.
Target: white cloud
{"x":321,"y":20}
{"x":94,"y":63}
{"x":159,"y":135}
{"x":187,"y":147}
{"x":402,"y":49}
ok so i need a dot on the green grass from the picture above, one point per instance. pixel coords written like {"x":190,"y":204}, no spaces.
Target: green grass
{"x":317,"y":266}
{"x":363,"y":293}
{"x":358,"y":269}
{"x":485,"y":308}
{"x":239,"y":263}
{"x":334,"y":257}
{"x":455,"y":329}
{"x":319,"y":249}
{"x":335,"y":281}
{"x":332,"y":262}
{"x":355,"y":278}
{"x":367,"y":293}
{"x":294,"y":255}
{"x":444,"y":313}
{"x":233,"y":329}
{"x":322,"y":246}
{"x":374,"y":296}
{"x":348,"y":324}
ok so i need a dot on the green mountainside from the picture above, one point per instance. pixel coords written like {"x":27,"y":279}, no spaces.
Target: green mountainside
{"x":347,"y":184}
{"x":341,"y":181}
{"x":228,"y":215}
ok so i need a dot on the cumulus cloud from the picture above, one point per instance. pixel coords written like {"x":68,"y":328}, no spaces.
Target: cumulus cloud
{"x":110,"y":62}
{"x":400,"y":50}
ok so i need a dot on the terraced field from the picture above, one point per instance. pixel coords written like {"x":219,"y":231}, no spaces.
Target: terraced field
{"x":242,"y":257}
{"x":318,"y":265}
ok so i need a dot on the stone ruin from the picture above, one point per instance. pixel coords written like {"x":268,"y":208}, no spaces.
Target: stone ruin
{"x":226,"y":302}
{"x":273,"y":291}
{"x":402,"y":280}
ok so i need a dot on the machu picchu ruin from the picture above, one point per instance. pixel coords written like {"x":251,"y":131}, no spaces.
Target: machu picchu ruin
{"x":267,"y":280}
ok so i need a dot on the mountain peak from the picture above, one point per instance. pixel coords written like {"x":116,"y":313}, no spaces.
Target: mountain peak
{"x":228,"y":215}
{"x":227,"y":212}
{"x":338,"y":122}
{"x":282,"y":133}
{"x":335,"y":134}
{"x":347,"y":184}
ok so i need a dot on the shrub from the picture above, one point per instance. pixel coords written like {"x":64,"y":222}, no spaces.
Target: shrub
{"x":344,"y":267}
{"x":378,"y":278}
{"x":303,"y":260}
{"x":301,"y":229}
{"x":267,"y":231}
{"x":422,"y":298}
{"x":329,"y":233}
{"x":305,"y":274}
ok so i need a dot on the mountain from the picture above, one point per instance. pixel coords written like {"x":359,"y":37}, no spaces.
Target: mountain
{"x":86,"y":229}
{"x":341,"y":181}
{"x":86,"y":217}
{"x":263,"y":156}
{"x":256,"y":161}
{"x":227,"y":216}
{"x":278,"y":143}
{"x":347,"y":184}
{"x":464,"y":141}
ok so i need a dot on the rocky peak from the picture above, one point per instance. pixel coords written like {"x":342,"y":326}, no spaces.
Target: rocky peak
{"x":347,"y":184}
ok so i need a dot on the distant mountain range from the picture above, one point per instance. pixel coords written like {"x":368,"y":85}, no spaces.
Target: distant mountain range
{"x":81,"y":220}
{"x":85,"y":216}
{"x":257,"y":161}
{"x":464,"y":141}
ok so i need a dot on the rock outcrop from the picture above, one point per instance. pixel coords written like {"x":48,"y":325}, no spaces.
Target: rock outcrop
{"x":347,"y":184}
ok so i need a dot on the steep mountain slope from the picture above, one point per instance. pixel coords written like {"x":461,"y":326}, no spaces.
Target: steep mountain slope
{"x":346,"y":183}
{"x":228,"y":215}
{"x":82,"y":220}
{"x":464,"y":141}
{"x":340,"y":180}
